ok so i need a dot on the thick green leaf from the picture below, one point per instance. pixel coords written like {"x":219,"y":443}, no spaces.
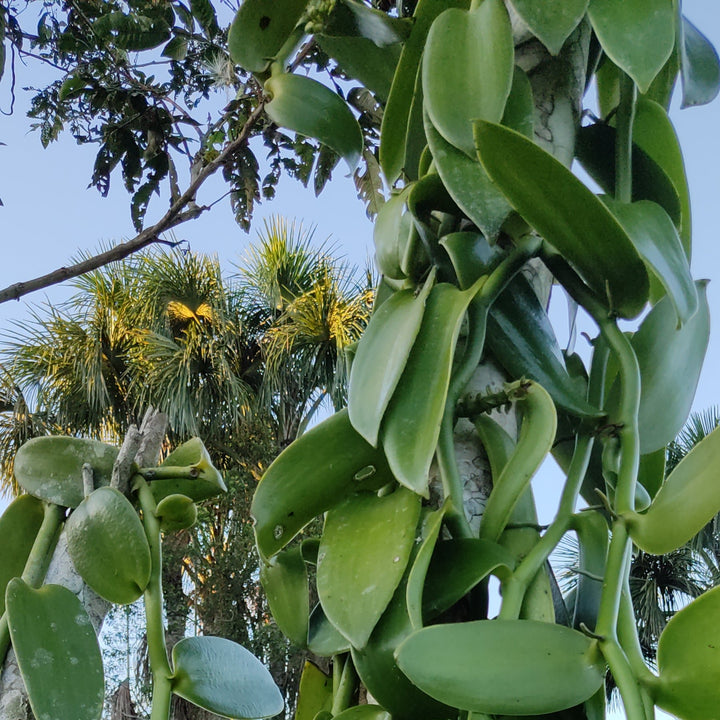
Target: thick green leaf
{"x":699,"y":66}
{"x":468,"y":184}
{"x":551,"y":21}
{"x":390,"y":235}
{"x":457,"y":566}
{"x":193,"y":455}
{"x":467,"y":70}
{"x":568,"y":215}
{"x":260,"y":29}
{"x":223,"y":677}
{"x":523,"y":341}
{"x":323,"y":637}
{"x":284,"y":579}
{"x":381,"y":356}
{"x":19,"y":526}
{"x":658,"y":244}
{"x":411,"y":425}
{"x":353,"y":19}
{"x":637,"y":35}
{"x":176,"y":512}
{"x":592,"y":535}
{"x":356,"y":564}
{"x":108,"y":546}
{"x":314,"y":693}
{"x":651,"y":472}
{"x":379,"y":672}
{"x":595,"y":149}
{"x":689,"y":660}
{"x":393,"y":134}
{"x":416,"y":577}
{"x":669,"y":358}
{"x":364,"y":712}
{"x":56,"y":650}
{"x":306,"y":106}
{"x":519,"y":113}
{"x":692,"y":486}
{"x":316,"y":472}
{"x":361,"y":59}
{"x":654,"y":134}
{"x":521,"y":667}
{"x":50,"y":468}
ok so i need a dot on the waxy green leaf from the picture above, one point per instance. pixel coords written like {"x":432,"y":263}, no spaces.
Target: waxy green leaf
{"x":260,"y":29}
{"x":551,"y":21}
{"x":190,"y":456}
{"x":323,"y":637}
{"x":658,"y":244}
{"x":567,"y":214}
{"x":390,"y":235}
{"x":394,"y":130}
{"x":285,"y":582}
{"x":519,"y":113}
{"x":364,"y":712}
{"x":223,"y":677}
{"x":523,"y":341}
{"x":637,"y":35}
{"x":592,"y":534}
{"x":411,"y":425}
{"x":56,"y":650}
{"x":350,"y":18}
{"x":381,"y":356}
{"x":353,"y":563}
{"x":314,"y":692}
{"x":687,"y":500}
{"x":468,"y":184}
{"x":108,"y":546}
{"x":457,"y":566}
{"x":480,"y":42}
{"x":699,"y":66}
{"x":379,"y":672}
{"x":688,"y":658}
{"x":669,"y":358}
{"x":471,"y":256}
{"x":50,"y":468}
{"x":312,"y":475}
{"x":308,"y":107}
{"x":521,"y":667}
{"x":176,"y":512}
{"x":19,"y":526}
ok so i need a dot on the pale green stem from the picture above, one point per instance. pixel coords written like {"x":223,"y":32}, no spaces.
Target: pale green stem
{"x":170,"y":472}
{"x":157,"y":648}
{"x":37,"y":563}
{"x":346,"y":687}
{"x":623,"y":142}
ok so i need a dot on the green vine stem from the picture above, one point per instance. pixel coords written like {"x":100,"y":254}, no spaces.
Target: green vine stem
{"x":623,"y":144}
{"x":344,"y":687}
{"x":477,"y":316}
{"x":38,"y":561}
{"x":157,"y":649}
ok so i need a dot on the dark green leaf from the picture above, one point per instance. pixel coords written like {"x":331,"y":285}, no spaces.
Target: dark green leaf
{"x":224,"y":678}
{"x":364,"y":712}
{"x":457,"y":567}
{"x":521,"y":667}
{"x":50,"y":468}
{"x":323,"y":638}
{"x":380,"y":359}
{"x":108,"y":546}
{"x":658,"y":244}
{"x":471,"y":256}
{"x":260,"y":29}
{"x":176,"y":512}
{"x":320,"y":469}
{"x":523,"y":341}
{"x":592,"y":534}
{"x":393,"y":135}
{"x":551,"y":21}
{"x":352,"y":18}
{"x":699,"y":66}
{"x":176,"y":49}
{"x":519,"y":113}
{"x":56,"y":650}
{"x":637,"y":35}
{"x":411,"y":424}
{"x":353,"y":563}
{"x":285,"y":582}
{"x":688,"y":657}
{"x":19,"y":526}
{"x":309,"y":108}
{"x":314,"y":693}
{"x":390,"y":235}
{"x":468,"y":184}
{"x":568,"y":215}
{"x":651,"y":472}
{"x":692,"y":486}
{"x":467,"y":70}
{"x":204,"y":12}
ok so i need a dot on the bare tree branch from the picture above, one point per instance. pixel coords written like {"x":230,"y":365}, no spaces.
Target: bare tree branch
{"x":182,"y":210}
